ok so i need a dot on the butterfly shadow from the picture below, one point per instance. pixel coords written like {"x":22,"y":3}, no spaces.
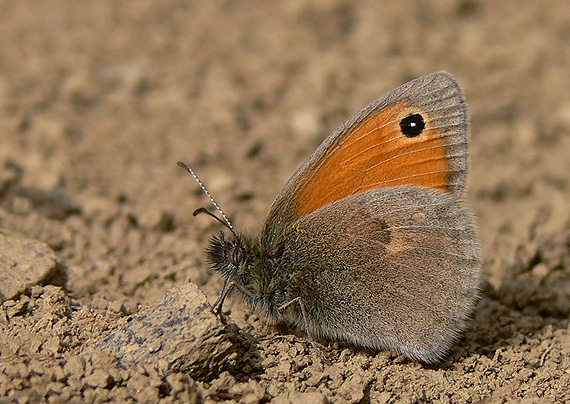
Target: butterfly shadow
{"x":523,"y":307}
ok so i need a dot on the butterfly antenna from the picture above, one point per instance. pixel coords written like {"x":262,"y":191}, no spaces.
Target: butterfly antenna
{"x":226,"y":221}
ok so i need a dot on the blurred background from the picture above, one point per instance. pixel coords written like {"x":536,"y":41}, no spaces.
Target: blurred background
{"x":98,"y":100}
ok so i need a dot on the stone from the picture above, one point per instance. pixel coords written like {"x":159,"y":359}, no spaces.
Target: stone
{"x":179,"y":334}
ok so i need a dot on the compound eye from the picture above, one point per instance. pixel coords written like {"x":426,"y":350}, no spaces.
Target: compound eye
{"x":235,"y":255}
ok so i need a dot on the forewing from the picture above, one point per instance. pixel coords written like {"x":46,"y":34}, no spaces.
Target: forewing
{"x":371,"y":151}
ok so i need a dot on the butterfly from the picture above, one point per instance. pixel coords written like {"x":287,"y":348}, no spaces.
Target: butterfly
{"x":370,"y":242}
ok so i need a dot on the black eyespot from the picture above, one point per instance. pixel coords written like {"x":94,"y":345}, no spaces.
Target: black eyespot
{"x":412,"y":125}
{"x":235,"y":255}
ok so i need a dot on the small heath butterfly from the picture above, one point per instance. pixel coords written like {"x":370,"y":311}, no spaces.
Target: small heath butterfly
{"x":370,"y":241}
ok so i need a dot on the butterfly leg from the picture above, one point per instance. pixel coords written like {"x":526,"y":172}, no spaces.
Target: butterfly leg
{"x":298,"y":300}
{"x":217,"y":307}
{"x":226,"y":289}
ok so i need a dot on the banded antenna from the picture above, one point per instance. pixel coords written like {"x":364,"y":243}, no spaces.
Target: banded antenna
{"x":226,"y":221}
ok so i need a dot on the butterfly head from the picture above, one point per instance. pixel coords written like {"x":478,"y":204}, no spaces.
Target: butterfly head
{"x":228,"y":254}
{"x":248,"y":273}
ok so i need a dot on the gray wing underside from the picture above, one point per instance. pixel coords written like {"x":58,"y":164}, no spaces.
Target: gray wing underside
{"x":395,"y":268}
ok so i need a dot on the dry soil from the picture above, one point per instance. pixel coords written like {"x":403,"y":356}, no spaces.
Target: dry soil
{"x":98,"y":100}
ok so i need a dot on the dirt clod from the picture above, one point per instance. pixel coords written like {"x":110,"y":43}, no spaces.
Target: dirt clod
{"x":24,"y":263}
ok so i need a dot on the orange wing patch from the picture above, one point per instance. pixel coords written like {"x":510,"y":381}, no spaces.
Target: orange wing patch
{"x":376,"y":154}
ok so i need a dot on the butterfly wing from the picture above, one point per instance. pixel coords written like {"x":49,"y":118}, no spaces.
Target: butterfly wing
{"x":418,"y":134}
{"x":393,"y":268}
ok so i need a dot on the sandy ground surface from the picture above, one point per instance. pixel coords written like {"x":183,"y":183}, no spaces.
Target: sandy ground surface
{"x":99,"y":100}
